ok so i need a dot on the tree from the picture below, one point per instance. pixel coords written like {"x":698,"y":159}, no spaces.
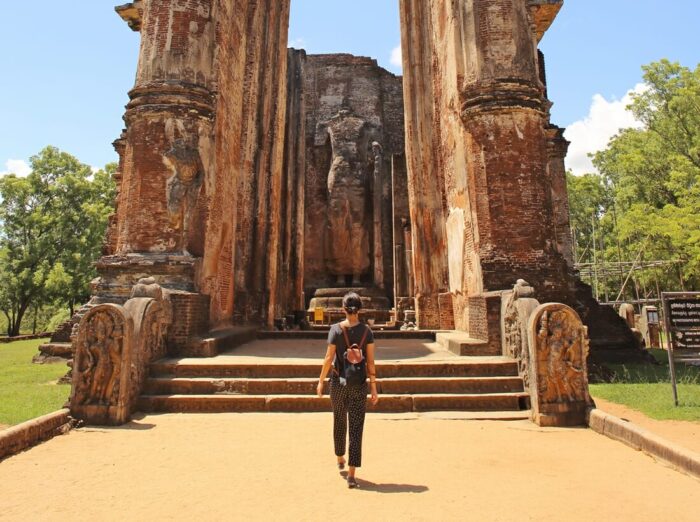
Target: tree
{"x":53,"y":222}
{"x":654,"y":174}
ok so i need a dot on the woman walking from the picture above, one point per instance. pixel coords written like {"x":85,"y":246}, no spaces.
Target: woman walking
{"x":350,"y":353}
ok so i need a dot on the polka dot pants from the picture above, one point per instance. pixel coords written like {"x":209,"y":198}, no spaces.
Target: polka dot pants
{"x":349,"y":404}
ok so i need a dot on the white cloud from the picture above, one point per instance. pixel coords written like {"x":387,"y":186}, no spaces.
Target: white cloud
{"x":297,"y":43}
{"x":396,"y":57}
{"x":19,"y":167}
{"x":592,"y":134}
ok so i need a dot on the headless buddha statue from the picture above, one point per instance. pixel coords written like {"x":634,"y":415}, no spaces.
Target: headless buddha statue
{"x":349,"y":219}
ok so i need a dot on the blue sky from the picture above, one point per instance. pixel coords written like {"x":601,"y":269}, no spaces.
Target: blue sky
{"x":67,"y":67}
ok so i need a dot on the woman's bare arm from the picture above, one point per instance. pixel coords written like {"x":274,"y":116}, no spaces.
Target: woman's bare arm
{"x":372,"y":372}
{"x":327,"y":362}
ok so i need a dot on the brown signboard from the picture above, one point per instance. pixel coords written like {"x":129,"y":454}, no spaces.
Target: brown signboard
{"x":684,"y":319}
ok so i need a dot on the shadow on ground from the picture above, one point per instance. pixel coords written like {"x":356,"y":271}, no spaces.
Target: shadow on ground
{"x":367,"y":485}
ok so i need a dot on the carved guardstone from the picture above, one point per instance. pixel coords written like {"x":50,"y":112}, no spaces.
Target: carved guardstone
{"x":516,"y":308}
{"x":114,"y":346}
{"x":100,"y":368}
{"x":558,"y":349}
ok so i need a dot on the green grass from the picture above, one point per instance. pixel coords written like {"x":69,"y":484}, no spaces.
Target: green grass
{"x":647,"y":388}
{"x":28,"y":390}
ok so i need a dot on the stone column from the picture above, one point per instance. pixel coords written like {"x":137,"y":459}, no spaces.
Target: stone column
{"x":168,"y":136}
{"x":505,"y":115}
{"x":241,"y":269}
{"x":166,"y":166}
{"x":423,"y":153}
{"x":166,"y":155}
{"x":377,"y":217}
{"x":500,"y":226}
{"x":488,"y":119}
{"x":557,"y":147}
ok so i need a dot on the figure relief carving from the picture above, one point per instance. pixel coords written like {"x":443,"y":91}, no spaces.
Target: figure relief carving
{"x":184,"y":161}
{"x":348,"y":196}
{"x":518,"y":306}
{"x":562,"y":348}
{"x":156,"y":318}
{"x":147,"y":287}
{"x":99,"y":359}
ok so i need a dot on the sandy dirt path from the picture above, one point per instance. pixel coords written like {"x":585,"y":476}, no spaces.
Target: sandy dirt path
{"x":281,"y":467}
{"x":683,"y":433}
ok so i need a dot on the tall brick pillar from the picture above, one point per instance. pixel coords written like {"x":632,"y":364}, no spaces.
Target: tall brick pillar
{"x":425,"y":175}
{"x":505,"y":115}
{"x":558,"y":146}
{"x":166,"y":161}
{"x":168,"y":130}
{"x":472,"y":68}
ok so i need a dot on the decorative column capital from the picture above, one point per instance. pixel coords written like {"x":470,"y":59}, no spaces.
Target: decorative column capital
{"x":557,"y":144}
{"x":172,"y":95}
{"x":503,"y":95}
{"x":132,"y":14}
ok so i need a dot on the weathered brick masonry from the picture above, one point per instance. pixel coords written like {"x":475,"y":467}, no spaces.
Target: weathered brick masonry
{"x":220,"y":124}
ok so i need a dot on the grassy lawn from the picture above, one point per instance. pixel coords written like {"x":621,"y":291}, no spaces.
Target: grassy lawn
{"x":647,"y":388}
{"x":28,"y":390}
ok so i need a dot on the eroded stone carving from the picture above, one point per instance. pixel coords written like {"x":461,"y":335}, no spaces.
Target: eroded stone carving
{"x":100,"y":368}
{"x":98,"y":360}
{"x":114,"y":346}
{"x":147,"y":287}
{"x":559,"y":380}
{"x":183,"y":186}
{"x":152,"y":313}
{"x":378,"y":250}
{"x":515,"y":312}
{"x":348,"y":197}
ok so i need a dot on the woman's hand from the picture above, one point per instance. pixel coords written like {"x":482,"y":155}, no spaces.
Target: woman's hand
{"x":319,"y":389}
{"x":374,"y":399}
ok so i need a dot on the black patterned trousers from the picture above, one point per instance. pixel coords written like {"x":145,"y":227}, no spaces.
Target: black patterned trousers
{"x":349,"y":406}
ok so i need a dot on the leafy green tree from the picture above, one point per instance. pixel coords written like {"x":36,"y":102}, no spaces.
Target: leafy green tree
{"x":589,"y":200}
{"x":53,"y":222}
{"x":645,"y":203}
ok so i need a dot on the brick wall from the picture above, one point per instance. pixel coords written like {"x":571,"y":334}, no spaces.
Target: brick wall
{"x":428,"y":312}
{"x":190,"y":319}
{"x":447,"y":314}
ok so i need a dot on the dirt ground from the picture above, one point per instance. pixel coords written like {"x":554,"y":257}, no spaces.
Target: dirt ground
{"x":281,"y":467}
{"x":683,"y":433}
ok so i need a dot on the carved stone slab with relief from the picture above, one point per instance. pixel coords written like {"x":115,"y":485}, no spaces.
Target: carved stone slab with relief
{"x":558,"y":344}
{"x":100,"y":369}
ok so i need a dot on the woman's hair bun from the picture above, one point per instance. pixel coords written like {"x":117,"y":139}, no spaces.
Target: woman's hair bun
{"x":352,"y":303}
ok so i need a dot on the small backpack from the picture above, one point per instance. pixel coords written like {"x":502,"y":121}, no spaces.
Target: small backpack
{"x":354,"y":369}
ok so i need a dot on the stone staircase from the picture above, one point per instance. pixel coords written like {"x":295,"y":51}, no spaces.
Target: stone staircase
{"x":244,"y":384}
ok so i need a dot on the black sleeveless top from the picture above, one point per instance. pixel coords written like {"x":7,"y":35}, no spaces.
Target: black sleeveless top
{"x":355,"y":333}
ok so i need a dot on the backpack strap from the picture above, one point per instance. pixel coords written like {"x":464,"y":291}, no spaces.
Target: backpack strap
{"x":347,"y":339}
{"x":345,"y":335}
{"x":364,"y":338}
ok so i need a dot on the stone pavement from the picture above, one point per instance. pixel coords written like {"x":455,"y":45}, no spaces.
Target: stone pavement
{"x":281,"y":466}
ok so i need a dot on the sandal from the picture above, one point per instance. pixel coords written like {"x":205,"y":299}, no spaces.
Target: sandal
{"x":352,"y":483}
{"x":341,"y":465}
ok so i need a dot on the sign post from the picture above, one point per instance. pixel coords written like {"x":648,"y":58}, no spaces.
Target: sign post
{"x":682,"y":318}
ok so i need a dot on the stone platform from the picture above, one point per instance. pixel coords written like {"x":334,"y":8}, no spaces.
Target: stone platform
{"x":375,"y":303}
{"x":281,"y":376}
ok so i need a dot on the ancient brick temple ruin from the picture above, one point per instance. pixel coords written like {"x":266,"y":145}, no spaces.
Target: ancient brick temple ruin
{"x":255,"y":181}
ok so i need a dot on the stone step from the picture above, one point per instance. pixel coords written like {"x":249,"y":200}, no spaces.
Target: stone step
{"x":307,"y":386}
{"x":496,"y":366}
{"x":428,"y":335}
{"x":461,"y":344}
{"x":308,"y":403}
{"x":53,"y":353}
{"x":64,"y":350}
{"x":215,"y":342}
